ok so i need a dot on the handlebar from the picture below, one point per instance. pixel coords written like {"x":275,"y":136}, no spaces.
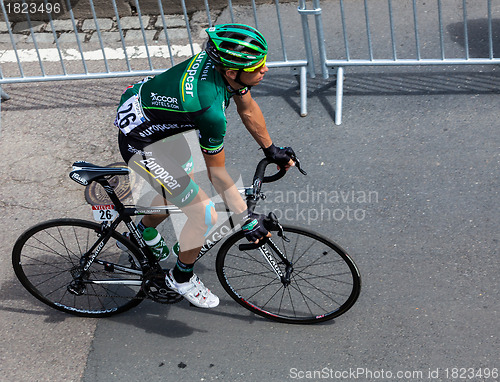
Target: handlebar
{"x":259,"y":178}
{"x":261,"y":169}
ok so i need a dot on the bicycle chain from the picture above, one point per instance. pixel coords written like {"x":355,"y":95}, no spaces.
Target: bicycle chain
{"x":146,"y":297}
{"x":132,"y":298}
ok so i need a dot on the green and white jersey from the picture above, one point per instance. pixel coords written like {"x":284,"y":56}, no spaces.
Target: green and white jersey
{"x":190,"y":95}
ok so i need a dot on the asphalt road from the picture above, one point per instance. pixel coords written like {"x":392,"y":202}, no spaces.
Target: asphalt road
{"x":423,"y":143}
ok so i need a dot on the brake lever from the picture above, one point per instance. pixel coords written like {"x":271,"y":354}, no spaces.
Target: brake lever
{"x":272,"y":224}
{"x":297,"y":164}
{"x":281,"y":233}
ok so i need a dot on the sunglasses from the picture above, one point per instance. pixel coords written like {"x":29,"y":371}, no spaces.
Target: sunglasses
{"x":254,"y":68}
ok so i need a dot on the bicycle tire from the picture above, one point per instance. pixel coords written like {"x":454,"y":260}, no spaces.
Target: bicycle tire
{"x":45,"y":256}
{"x":321,"y":287}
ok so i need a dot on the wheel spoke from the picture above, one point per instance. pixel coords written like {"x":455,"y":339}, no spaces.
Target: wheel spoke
{"x":324,"y":282}
{"x":47,"y":259}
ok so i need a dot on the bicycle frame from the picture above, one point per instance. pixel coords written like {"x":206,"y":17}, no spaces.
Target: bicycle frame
{"x":148,"y":260}
{"x":53,"y":261}
{"x":125,"y":215}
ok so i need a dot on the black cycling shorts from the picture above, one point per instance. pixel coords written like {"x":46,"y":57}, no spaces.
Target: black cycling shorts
{"x":165,"y":165}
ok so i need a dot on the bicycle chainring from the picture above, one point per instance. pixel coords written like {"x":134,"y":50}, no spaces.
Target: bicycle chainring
{"x":155,"y":288}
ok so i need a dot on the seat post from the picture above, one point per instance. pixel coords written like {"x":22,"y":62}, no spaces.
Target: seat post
{"x":112,"y":195}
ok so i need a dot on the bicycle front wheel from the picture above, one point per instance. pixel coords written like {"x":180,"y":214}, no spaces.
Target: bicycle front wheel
{"x":46,"y":259}
{"x":324,"y":281}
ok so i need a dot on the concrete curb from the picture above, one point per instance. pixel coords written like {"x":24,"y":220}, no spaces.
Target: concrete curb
{"x":63,"y":30}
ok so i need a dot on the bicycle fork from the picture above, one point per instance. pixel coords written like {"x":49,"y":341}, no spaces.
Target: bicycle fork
{"x":266,"y":253}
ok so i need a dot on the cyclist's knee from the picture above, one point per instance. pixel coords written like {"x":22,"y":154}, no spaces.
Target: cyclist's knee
{"x":201,"y":213}
{"x":204,"y":216}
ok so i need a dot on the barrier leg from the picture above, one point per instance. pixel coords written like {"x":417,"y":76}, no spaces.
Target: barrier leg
{"x":4,"y":95}
{"x":339,"y":95}
{"x":303,"y":91}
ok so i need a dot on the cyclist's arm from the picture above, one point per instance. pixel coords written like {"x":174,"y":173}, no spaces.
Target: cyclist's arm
{"x":223,"y":183}
{"x":253,"y":119}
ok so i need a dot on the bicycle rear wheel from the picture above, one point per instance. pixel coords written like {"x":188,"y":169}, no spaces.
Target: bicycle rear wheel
{"x":46,"y":259}
{"x":324,"y":282}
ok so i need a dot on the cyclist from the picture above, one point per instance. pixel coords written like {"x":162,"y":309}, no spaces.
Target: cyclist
{"x":194,"y":95}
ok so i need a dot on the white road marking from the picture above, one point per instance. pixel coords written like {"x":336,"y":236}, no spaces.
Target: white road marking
{"x":133,"y":52}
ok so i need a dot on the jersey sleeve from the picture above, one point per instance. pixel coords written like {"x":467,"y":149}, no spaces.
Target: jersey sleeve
{"x":212,"y":129}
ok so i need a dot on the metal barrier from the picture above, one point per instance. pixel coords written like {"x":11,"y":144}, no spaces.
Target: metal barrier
{"x":358,"y":33}
{"x":111,"y":44}
{"x":404,"y":33}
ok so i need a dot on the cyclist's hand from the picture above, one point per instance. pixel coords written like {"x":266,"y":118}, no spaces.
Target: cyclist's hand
{"x":282,"y":156}
{"x":254,"y":229}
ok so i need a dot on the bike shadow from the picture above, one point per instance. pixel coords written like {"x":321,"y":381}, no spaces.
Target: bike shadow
{"x":158,"y":319}
{"x":178,"y":320}
{"x":15,"y":299}
{"x":149,"y":317}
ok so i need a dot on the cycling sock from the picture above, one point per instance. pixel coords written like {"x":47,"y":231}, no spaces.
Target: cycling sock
{"x":182,"y":272}
{"x":142,"y":227}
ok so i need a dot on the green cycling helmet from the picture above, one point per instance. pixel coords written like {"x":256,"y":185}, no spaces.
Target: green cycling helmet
{"x":236,"y":46}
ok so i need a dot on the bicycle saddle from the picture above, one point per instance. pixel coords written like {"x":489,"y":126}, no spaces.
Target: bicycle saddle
{"x":85,"y":173}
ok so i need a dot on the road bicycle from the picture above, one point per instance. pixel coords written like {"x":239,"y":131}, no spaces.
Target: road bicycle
{"x":76,"y":266}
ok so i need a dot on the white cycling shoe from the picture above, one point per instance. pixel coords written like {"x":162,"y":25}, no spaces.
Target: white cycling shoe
{"x":194,"y":291}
